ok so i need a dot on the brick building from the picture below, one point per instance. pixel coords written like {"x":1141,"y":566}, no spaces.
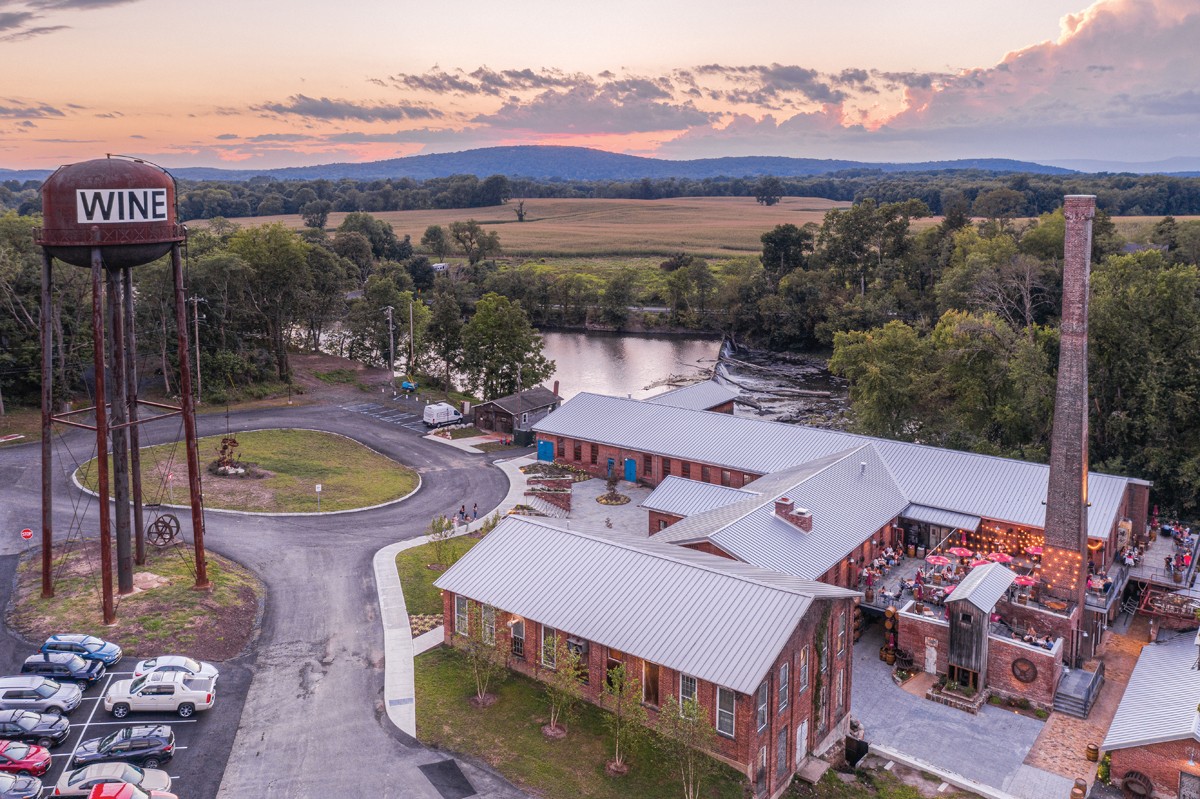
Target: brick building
{"x":767,"y":655}
{"x":1154,"y":738}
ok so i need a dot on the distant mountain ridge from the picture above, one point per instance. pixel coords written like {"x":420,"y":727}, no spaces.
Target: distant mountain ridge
{"x":548,"y":162}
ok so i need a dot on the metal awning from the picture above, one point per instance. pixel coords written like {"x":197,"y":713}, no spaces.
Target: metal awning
{"x":942,"y":518}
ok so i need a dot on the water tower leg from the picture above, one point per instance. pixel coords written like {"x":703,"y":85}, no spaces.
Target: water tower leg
{"x":106,"y":587}
{"x":131,"y":396}
{"x":46,"y":323}
{"x":120,"y":436}
{"x":189,"y":421}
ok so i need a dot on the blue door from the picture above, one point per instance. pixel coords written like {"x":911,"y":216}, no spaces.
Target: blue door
{"x":545,"y":450}
{"x":611,"y":464}
{"x":630,"y":470}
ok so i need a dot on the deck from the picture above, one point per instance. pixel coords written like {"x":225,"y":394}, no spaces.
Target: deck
{"x":1152,"y":569}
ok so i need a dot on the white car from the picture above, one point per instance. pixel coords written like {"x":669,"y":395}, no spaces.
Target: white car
{"x":81,"y":781}
{"x":180,"y":663}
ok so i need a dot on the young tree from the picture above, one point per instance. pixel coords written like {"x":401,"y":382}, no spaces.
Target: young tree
{"x":626,"y":718}
{"x":563,"y":684}
{"x":440,"y":531}
{"x":485,"y":658}
{"x":501,"y":349}
{"x":685,"y":736}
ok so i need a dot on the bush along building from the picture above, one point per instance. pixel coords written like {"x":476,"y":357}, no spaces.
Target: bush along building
{"x":766,"y":655}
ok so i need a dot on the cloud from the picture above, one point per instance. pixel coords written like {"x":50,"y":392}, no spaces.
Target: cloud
{"x":30,"y":33}
{"x":325,"y":109}
{"x":75,"y":5}
{"x":585,"y":109}
{"x":14,"y":19}
{"x":19,"y":110}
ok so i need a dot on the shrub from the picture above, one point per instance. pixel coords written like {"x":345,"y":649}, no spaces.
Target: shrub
{"x":995,"y":700}
{"x":1041,"y":714}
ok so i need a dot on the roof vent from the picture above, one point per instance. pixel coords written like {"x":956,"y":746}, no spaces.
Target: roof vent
{"x":862,"y":468}
{"x":800,"y":518}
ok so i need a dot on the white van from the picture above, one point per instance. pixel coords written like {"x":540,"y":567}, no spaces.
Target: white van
{"x":439,"y":414}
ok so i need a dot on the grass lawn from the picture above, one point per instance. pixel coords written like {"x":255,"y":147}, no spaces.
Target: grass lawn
{"x":293,"y":463}
{"x":508,"y":737}
{"x":169,"y":617}
{"x":875,"y":784}
{"x":23,"y":422}
{"x":465,"y":432}
{"x":420,"y":597}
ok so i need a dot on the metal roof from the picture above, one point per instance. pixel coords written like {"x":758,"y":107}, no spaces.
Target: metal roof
{"x":984,"y":586}
{"x":696,"y":397}
{"x":1160,"y":700}
{"x":711,"y":617}
{"x":524,"y":401}
{"x":943,"y":518}
{"x":682,"y":497}
{"x":850,"y":494}
{"x":1002,"y":489}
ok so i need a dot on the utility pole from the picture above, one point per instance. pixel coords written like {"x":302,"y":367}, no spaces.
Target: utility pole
{"x":410,"y":341}
{"x":195,"y":301}
{"x":391,"y":349}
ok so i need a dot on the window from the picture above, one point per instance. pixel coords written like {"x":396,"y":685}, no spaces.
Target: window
{"x":841,"y":691}
{"x":518,"y":639}
{"x":562,"y":448}
{"x":760,"y":774}
{"x":647,"y":465}
{"x":964,"y":619}
{"x":687,"y":688}
{"x":841,"y":647}
{"x":685,"y":469}
{"x":824,"y":653}
{"x":650,"y":683}
{"x":577,"y":451}
{"x":662,"y":524}
{"x":461,"y":605}
{"x":725,"y":481}
{"x":781,"y":753}
{"x":783,"y":685}
{"x":595,"y":453}
{"x":488,"y":614}
{"x":803,"y":686}
{"x":615,"y":659}
{"x":549,"y":639}
{"x":704,"y":475}
{"x":666,"y":467}
{"x":525,"y":418}
{"x":726,"y":705}
{"x":764,"y":691}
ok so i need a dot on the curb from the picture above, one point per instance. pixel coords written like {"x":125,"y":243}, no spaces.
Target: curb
{"x":957,"y":780}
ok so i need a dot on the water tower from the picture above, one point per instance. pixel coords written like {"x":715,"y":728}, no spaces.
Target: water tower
{"x":110,"y":215}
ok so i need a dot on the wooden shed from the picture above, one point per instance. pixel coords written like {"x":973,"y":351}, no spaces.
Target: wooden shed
{"x":970,"y":611}
{"x":517,"y":412}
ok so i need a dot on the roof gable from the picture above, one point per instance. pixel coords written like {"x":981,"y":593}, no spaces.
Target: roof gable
{"x":1160,"y":701}
{"x":984,"y":586}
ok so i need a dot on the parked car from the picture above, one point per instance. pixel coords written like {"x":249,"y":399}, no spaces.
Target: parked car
{"x":123,"y":790}
{"x":88,"y":647}
{"x":179,"y":663}
{"x":81,"y":781}
{"x":64,"y":667}
{"x":24,"y":759}
{"x":161,"y":692}
{"x":14,"y":786}
{"x":439,"y":414}
{"x":146,"y":745}
{"x":31,"y":692}
{"x":43,"y":729}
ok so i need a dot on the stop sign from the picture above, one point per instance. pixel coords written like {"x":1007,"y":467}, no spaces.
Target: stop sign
{"x":27,"y":534}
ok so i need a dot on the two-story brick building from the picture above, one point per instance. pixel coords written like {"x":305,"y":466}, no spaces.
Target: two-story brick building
{"x":767,"y":655}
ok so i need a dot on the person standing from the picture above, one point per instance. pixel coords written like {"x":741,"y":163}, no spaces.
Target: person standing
{"x":475,"y":512}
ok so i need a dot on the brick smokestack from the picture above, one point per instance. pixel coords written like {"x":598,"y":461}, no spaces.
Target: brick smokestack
{"x":1064,"y":570}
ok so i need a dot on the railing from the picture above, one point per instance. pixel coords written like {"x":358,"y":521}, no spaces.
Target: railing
{"x":1104,"y":600}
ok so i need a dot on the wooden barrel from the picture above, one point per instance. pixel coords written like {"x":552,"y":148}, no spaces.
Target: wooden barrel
{"x":889,"y":624}
{"x":890,"y":612}
{"x":889,"y":657}
{"x":1078,"y":793}
{"x":1080,"y":782}
{"x":1093,"y":752}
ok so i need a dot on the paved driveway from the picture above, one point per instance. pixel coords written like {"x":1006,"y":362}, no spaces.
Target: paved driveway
{"x":313,"y":723}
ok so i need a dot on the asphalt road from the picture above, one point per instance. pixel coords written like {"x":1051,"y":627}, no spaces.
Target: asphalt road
{"x":313,"y":722}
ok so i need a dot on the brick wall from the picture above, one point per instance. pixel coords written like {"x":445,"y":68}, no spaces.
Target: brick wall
{"x":1162,"y":763}
{"x":710,"y":548}
{"x":742,"y":750}
{"x":660,"y":521}
{"x":1020,"y":617}
{"x":551,"y":483}
{"x":559,"y":499}
{"x":695,"y":471}
{"x":912,"y":632}
{"x":1000,"y":678}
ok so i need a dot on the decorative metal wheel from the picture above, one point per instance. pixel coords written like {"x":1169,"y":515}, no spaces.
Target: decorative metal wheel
{"x":162,"y":531}
{"x":1024,"y":670}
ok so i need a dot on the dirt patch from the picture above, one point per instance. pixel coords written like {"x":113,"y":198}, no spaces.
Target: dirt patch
{"x":163,"y":614}
{"x":487,"y":700}
{"x":554,"y":733}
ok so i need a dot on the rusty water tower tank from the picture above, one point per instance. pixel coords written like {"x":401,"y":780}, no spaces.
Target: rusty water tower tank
{"x":124,"y":206}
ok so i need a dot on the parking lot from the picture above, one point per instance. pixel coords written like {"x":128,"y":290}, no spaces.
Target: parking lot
{"x":402,"y":412}
{"x":202,"y":743}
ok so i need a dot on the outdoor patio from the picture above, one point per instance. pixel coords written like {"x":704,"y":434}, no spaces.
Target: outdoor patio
{"x":1152,"y":567}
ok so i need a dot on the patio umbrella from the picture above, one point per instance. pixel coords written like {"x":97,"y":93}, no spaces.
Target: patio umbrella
{"x":1033,"y":550}
{"x":938,"y":560}
{"x":1025,"y":581}
{"x":949,"y":589}
{"x":959,"y":552}
{"x":975,"y":563}
{"x":1000,"y":557}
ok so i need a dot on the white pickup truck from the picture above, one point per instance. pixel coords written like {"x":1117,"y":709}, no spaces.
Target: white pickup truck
{"x":161,"y":692}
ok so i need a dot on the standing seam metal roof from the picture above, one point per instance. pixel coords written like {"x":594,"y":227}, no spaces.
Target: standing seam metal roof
{"x":680,"y":496}
{"x":719,"y":620}
{"x":984,"y":586}
{"x":697,"y":397}
{"x":1160,"y":700}
{"x":1003,"y":489}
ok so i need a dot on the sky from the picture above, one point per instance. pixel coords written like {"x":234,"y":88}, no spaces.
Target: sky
{"x":267,"y":83}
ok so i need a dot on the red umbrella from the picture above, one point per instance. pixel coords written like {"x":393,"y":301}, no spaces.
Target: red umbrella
{"x":1026,"y":581}
{"x":959,"y":552}
{"x":949,"y":589}
{"x":1000,"y":557}
{"x":975,"y":563}
{"x":938,"y":560}
{"x":1033,"y":550}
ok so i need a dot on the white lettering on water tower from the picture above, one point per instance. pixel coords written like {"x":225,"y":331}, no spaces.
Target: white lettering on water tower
{"x":120,"y":205}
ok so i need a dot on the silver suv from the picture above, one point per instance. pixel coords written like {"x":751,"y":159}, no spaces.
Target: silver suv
{"x":30,"y":692}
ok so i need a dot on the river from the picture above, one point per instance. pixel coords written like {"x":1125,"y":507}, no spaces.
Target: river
{"x":624,"y":363}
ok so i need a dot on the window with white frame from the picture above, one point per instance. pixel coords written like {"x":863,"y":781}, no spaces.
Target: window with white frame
{"x":726,"y":710}
{"x":488,"y":614}
{"x":518,"y":639}
{"x":462,"y":607}
{"x":783,"y":685}
{"x":803,"y":686}
{"x":841,"y":646}
{"x":549,"y":639}
{"x":687,"y":688}
{"x":764,"y":692}
{"x":841,"y":690}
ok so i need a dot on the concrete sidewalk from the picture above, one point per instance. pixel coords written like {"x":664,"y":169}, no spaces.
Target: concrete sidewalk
{"x":399,"y":649}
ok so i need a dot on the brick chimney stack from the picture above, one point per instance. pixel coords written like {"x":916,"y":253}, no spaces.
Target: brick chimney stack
{"x":799,"y":518}
{"x":1064,"y":570}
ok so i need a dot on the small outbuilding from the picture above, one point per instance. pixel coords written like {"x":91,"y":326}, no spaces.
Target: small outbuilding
{"x":517,"y":412}
{"x":970,"y":608}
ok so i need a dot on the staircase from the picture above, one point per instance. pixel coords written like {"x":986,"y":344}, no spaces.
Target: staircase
{"x":545,"y":508}
{"x":1078,"y":690}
